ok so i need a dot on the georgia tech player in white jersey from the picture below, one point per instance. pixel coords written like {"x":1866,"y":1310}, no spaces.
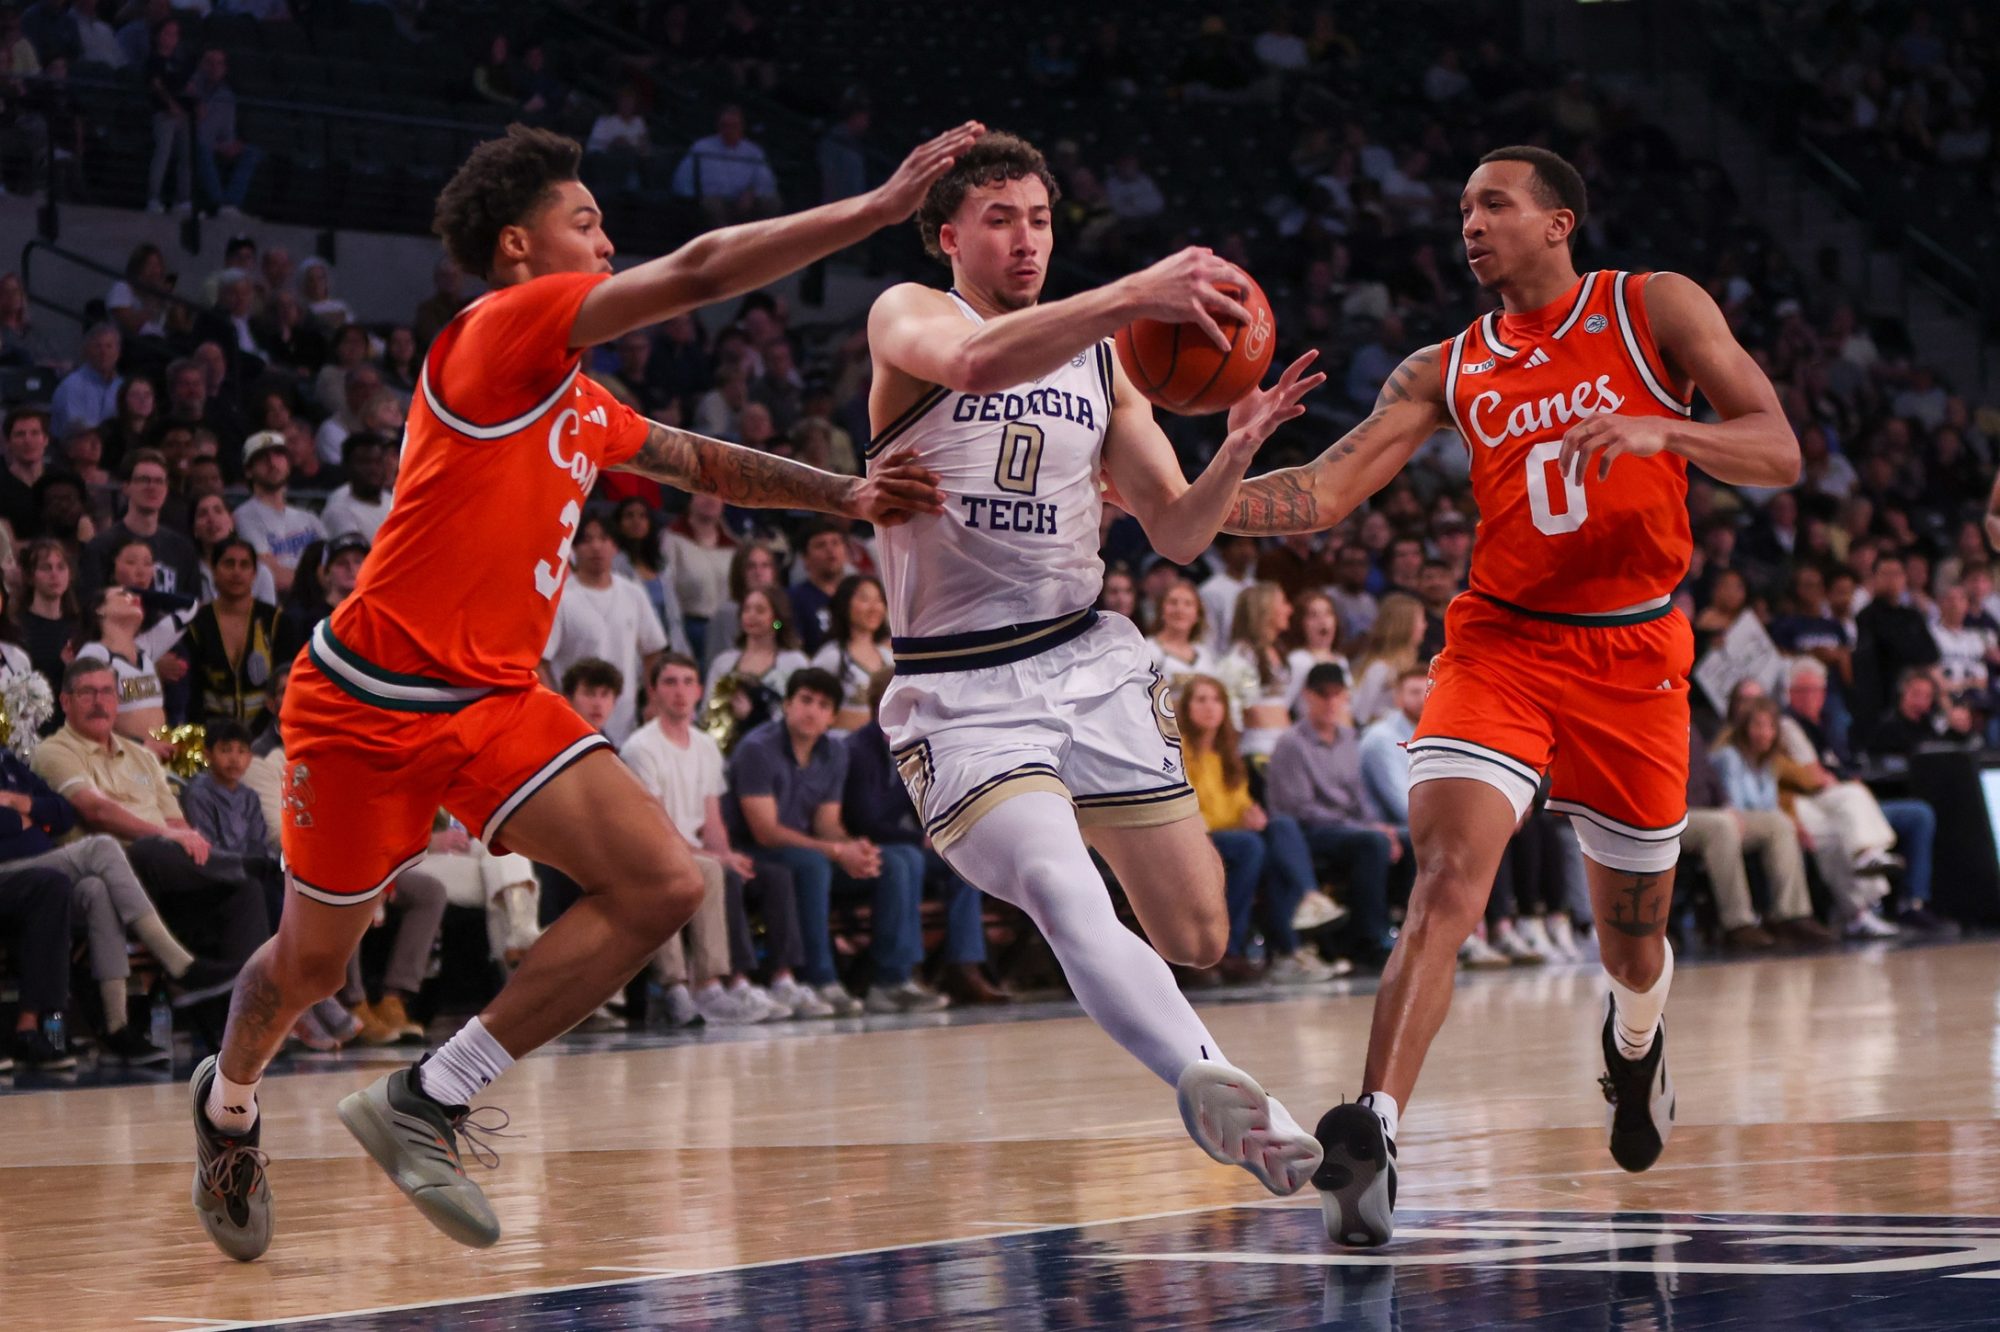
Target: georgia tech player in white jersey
{"x":1022,"y":720}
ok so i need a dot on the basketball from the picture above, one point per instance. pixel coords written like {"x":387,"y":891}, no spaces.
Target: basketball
{"x":1178,"y":368}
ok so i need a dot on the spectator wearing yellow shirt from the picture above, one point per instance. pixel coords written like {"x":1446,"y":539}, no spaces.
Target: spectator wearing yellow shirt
{"x":1265,"y":861}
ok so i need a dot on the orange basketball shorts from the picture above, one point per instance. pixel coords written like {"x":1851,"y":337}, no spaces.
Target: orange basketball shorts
{"x":1602,"y":709}
{"x":365,"y":778}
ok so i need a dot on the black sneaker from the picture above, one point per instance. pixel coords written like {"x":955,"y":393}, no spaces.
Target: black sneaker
{"x":1921,"y":920}
{"x":1356,"y":1178}
{"x":129,"y":1045}
{"x":205,"y":978}
{"x":1641,"y":1097}
{"x":33,"y":1051}
{"x":231,"y":1193}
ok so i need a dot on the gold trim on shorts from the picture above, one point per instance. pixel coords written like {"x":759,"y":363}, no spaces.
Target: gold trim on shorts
{"x":1138,"y":809}
{"x":975,"y":804}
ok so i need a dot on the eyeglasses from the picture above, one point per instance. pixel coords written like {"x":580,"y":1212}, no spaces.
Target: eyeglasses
{"x":94,"y":691}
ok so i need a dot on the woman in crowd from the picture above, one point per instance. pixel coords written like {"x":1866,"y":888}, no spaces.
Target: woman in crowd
{"x":1120,"y":593}
{"x":1389,"y":649}
{"x":857,"y":645}
{"x":402,"y":364}
{"x":316,"y":290}
{"x":50,"y":619}
{"x":754,"y":565}
{"x":350,"y":348}
{"x":213,"y":524}
{"x":1259,"y":675}
{"x":232,"y":642}
{"x":1179,"y":641}
{"x":1315,"y":631}
{"x":113,"y":631}
{"x":83,"y":454}
{"x":641,"y":558}
{"x":1757,"y":774}
{"x":700,"y":551}
{"x":137,"y":303}
{"x":765,"y":655}
{"x":1265,"y":860}
{"x":135,"y":425}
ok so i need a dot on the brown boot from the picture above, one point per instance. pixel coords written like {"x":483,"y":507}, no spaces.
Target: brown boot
{"x":374,"y":1031}
{"x":1803,"y":932}
{"x":391,"y":1013}
{"x":1748,"y":939}
{"x":966,"y":983}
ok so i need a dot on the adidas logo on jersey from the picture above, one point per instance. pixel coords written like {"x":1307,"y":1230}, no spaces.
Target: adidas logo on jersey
{"x":1537,"y":357}
{"x":597,"y":417}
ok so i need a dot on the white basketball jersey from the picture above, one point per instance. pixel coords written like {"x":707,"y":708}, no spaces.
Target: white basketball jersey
{"x":1017,"y":542}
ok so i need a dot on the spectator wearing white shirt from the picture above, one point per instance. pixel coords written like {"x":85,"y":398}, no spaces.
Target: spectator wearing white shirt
{"x":728,"y":173}
{"x":112,"y":633}
{"x":88,"y":395}
{"x":607,"y":617}
{"x":1179,"y":643}
{"x":698,"y":550}
{"x":362,"y":384}
{"x":360,"y":506}
{"x":1238,"y":555}
{"x":622,"y":128}
{"x":279,"y":532}
{"x":1966,"y":652}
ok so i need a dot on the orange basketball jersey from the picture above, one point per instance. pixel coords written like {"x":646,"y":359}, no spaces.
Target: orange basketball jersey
{"x":505,"y":439}
{"x":1515,"y":384}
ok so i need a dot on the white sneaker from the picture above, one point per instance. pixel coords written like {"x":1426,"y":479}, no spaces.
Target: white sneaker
{"x":800,"y":999}
{"x":725,"y":1008}
{"x":1515,"y":949}
{"x":1534,"y":933}
{"x":908,"y":997}
{"x":1316,"y":909}
{"x":1233,"y":1119}
{"x":1301,"y":968}
{"x":1475,"y":954}
{"x":682,"y":1009}
{"x":1868,"y":925}
{"x":1562,"y":937}
{"x":835,"y":996}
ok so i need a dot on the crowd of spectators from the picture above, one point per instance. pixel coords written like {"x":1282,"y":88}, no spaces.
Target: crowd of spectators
{"x":219,"y":454}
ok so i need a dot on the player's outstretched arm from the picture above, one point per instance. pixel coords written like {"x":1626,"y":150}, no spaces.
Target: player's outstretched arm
{"x":730,"y":261}
{"x":1408,"y":411}
{"x":921,"y":333}
{"x":1753,"y":444}
{"x":892,"y":494}
{"x":1182,"y":519}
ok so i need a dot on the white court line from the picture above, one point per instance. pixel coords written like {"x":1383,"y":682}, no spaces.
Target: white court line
{"x":651,"y":1271}
{"x":1267,"y":1204}
{"x":1404,"y":1190}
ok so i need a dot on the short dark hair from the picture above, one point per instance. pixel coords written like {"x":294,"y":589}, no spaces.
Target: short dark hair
{"x":811,"y":679}
{"x":27,"y":411}
{"x":1557,"y":183}
{"x":820,"y":527}
{"x":680,"y":659}
{"x":996,"y":157}
{"x":596,"y":520}
{"x":225,"y":731}
{"x":154,"y":456}
{"x":227,"y":544}
{"x":501,"y":185}
{"x":81,"y":667}
{"x":593,"y":673}
{"x":360,"y":439}
{"x":1328,"y":675}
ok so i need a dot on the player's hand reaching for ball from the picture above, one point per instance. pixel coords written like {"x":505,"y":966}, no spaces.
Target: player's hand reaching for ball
{"x":1609,"y":438}
{"x":894,"y":494}
{"x":1185,"y":288}
{"x":1261,"y":411}
{"x":896,"y":198}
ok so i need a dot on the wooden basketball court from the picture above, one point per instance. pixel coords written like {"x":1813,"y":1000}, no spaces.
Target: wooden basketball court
{"x":1836,"y":1148}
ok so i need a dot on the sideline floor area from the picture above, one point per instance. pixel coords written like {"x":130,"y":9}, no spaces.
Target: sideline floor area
{"x":1836,"y":1164}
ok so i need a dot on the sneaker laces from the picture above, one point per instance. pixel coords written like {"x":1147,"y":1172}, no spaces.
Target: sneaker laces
{"x":475,"y":1134}
{"x":219,"y":1175}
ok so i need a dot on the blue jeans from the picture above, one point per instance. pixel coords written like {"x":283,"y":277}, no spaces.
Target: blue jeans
{"x":240,"y":171}
{"x":1363,"y":855}
{"x":1915,"y":823}
{"x":812,"y":889}
{"x":1274,"y":868}
{"x":898,"y":943}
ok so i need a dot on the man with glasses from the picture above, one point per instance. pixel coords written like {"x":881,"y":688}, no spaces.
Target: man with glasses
{"x":176,"y":563}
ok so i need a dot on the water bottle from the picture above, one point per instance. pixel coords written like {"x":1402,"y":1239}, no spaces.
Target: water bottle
{"x":657,"y":1012}
{"x":52,"y":1029}
{"x":162,"y":1029}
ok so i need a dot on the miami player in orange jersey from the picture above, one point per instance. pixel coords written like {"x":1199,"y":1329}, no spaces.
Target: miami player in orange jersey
{"x":420,"y":691}
{"x":1566,"y":657}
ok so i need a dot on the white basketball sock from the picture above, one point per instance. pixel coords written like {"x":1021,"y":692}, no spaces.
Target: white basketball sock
{"x":1384,"y":1106}
{"x":1027,"y":851}
{"x":232,"y":1106}
{"x":464,"y":1066}
{"x":1639,"y":1014}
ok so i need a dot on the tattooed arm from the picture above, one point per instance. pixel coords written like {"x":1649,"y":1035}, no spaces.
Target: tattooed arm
{"x":748,"y":477}
{"x":1409,"y":409}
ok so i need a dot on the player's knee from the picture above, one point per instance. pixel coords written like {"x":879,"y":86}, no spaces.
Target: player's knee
{"x":668,"y":897}
{"x":306,"y":976}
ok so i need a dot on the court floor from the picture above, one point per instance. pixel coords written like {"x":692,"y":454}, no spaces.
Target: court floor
{"x":1835,"y":1166}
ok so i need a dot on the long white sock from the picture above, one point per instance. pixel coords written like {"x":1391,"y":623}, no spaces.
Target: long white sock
{"x":464,"y":1066}
{"x":151,"y":931}
{"x":1384,"y":1106}
{"x":1639,"y":1014}
{"x":232,"y":1106}
{"x":1027,"y":851}
{"x":116,"y":1015}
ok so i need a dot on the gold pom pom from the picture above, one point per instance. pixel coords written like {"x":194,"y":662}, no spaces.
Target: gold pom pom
{"x":190,"y":754}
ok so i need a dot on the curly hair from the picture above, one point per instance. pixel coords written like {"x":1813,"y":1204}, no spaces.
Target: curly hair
{"x":500,"y":186}
{"x":997,"y":157}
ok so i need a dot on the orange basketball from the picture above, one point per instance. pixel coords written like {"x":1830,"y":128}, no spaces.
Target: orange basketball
{"x":1178,"y":368}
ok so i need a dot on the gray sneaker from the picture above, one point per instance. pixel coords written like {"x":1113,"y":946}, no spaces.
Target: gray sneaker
{"x":231,"y":1193}
{"x":415,"y":1140}
{"x":908,"y":997}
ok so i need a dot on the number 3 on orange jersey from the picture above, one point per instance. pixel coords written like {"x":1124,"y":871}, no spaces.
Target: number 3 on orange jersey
{"x":549,"y":576}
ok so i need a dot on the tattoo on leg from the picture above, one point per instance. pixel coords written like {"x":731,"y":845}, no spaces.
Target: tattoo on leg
{"x":258,"y":1022}
{"x":1631,"y":916}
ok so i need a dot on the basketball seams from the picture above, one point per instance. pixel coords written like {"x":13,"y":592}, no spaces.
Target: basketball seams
{"x":1162,"y":384}
{"x":1222,"y":362}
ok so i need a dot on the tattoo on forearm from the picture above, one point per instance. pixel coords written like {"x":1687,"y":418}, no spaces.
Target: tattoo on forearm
{"x":258,"y":1019}
{"x":1643,"y":910}
{"x":742,"y":476}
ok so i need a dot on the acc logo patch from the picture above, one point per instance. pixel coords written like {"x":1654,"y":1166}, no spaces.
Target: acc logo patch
{"x":1596,"y":323}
